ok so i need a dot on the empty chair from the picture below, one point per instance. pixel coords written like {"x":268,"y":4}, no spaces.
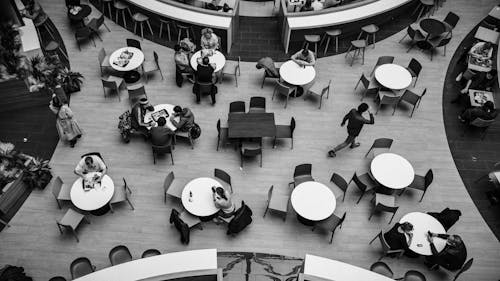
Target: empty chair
{"x":422,"y":182}
{"x":312,"y":39}
{"x":133,"y":43}
{"x":340,"y":182}
{"x":387,"y":98}
{"x":119,"y":254}
{"x":277,"y":202}
{"x":167,"y":23}
{"x":413,"y":275}
{"x":57,"y":278}
{"x":335,"y":33}
{"x":70,"y":221}
{"x":370,"y":88}
{"x":103,"y":60}
{"x":364,"y":183}
{"x":141,"y":18}
{"x":159,"y":150}
{"x":237,"y":107}
{"x":382,"y":268}
{"x":386,"y":249}
{"x":358,"y":48}
{"x":113,"y":83}
{"x":370,"y":29}
{"x":120,"y":7}
{"x":60,"y":191}
{"x":172,"y":187}
{"x":302,"y":173}
{"x":384,"y":203}
{"x":319,"y":91}
{"x":83,"y":33}
{"x":464,"y":268}
{"x":414,"y":67}
{"x":440,"y":42}
{"x":382,"y":60}
{"x":150,"y":253}
{"x":330,"y":224}
{"x":257,"y":105}
{"x":250,"y":149}
{"x":414,"y":34}
{"x":412,"y":98}
{"x":381,"y":143}
{"x":225,"y":177}
{"x":121,"y":194}
{"x":285,"y":132}
{"x":95,"y":24}
{"x":152,"y":66}
{"x":81,"y":267}
{"x":222,"y":135}
{"x":481,"y":124}
{"x":450,"y":21}
{"x":284,"y":90}
{"x":231,"y":68}
{"x":136,"y":91}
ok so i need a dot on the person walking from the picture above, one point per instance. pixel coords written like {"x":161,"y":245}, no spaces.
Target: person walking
{"x":66,"y":125}
{"x":355,"y":121}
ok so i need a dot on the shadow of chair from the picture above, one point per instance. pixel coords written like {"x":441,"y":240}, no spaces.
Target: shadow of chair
{"x":121,"y":194}
{"x":384,"y":203}
{"x":81,"y":267}
{"x":158,"y":150}
{"x":330,"y":224}
{"x":283,"y":90}
{"x":386,"y":249}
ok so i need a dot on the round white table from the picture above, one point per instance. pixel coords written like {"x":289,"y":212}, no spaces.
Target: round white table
{"x":392,"y":171}
{"x":218,"y":58}
{"x":135,"y":61}
{"x":422,"y":223}
{"x":94,"y":198}
{"x":313,"y":201}
{"x":201,"y":204}
{"x":295,"y":74}
{"x":393,"y":76}
{"x":170,"y":110}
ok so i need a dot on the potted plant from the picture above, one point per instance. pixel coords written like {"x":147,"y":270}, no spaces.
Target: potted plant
{"x":70,"y":81}
{"x":38,"y":173}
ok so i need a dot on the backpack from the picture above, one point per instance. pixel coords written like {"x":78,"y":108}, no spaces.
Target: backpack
{"x":195,"y":131}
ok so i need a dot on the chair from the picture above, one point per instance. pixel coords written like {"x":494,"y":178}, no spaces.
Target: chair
{"x":464,"y":268}
{"x":414,"y":34}
{"x":157,"y":150}
{"x":370,"y":29}
{"x":136,"y":91}
{"x":285,"y":132}
{"x":319,"y":91}
{"x":364,"y":183}
{"x":388,"y":99}
{"x":284,"y":90}
{"x":277,"y":202}
{"x":70,"y":221}
{"x":152,"y":66}
{"x":413,"y":275}
{"x":184,"y":135}
{"x":386,"y":249}
{"x":113,"y":83}
{"x":180,"y":225}
{"x":312,"y":39}
{"x":57,"y":278}
{"x":421,"y":183}
{"x":121,"y":195}
{"x":119,"y":254}
{"x":133,"y":43}
{"x":382,"y":268}
{"x":171,"y":188}
{"x":237,"y":107}
{"x":482,"y":124}
{"x":167,"y":23}
{"x":83,"y":33}
{"x":268,"y":74}
{"x":81,"y":267}
{"x":340,"y":182}
{"x":384,"y":203}
{"x":103,"y":60}
{"x":382,"y":60}
{"x":225,"y":177}
{"x":359,"y":48}
{"x":141,"y":18}
{"x":450,"y":21}
{"x":190,"y":220}
{"x":53,"y":48}
{"x":250,"y":149}
{"x":412,"y":98}
{"x":384,"y":143}
{"x":231,"y":68}
{"x":335,"y":33}
{"x":440,"y":42}
{"x":222,"y":135}
{"x":414,"y":67}
{"x":369,"y":87}
{"x":150,"y":253}
{"x":302,"y":173}
{"x":330,"y":224}
{"x":108,"y":2}
{"x":95,"y":23}
{"x":257,"y":105}
{"x":120,"y":7}
{"x":61,"y":191}
{"x":186,"y":29}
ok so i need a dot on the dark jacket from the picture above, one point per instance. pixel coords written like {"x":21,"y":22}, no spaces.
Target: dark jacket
{"x":447,"y":217}
{"x":395,"y":239}
{"x":478,"y":112}
{"x":161,"y":136}
{"x":356,"y":122}
{"x":481,"y":82}
{"x":204,"y":73}
{"x":242,"y":218}
{"x":182,"y":227}
{"x":451,"y":257}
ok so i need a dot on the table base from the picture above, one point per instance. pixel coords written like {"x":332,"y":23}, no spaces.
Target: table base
{"x":305,"y":221}
{"x":101,"y":211}
{"x":131,"y":77}
{"x":384,"y":190}
{"x":299,"y":92}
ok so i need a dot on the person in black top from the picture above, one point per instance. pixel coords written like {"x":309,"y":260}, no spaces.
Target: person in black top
{"x":452,"y":257}
{"x":485,"y":112}
{"x":396,"y":238}
{"x":356,"y":122}
{"x":307,"y":6}
{"x":160,"y":134}
{"x":205,"y":71}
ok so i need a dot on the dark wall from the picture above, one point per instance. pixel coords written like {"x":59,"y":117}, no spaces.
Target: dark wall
{"x":9,"y":12}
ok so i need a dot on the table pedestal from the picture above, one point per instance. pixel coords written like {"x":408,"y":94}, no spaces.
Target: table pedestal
{"x":299,"y":92}
{"x":131,"y":76}
{"x":101,"y":211}
{"x":305,"y":221}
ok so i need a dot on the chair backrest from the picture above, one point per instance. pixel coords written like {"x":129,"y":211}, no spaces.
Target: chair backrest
{"x":413,"y":275}
{"x":133,"y":43}
{"x":102,"y":55}
{"x":141,"y":91}
{"x":162,"y":149}
{"x":150,"y":253}
{"x":283,"y":89}
{"x":258,"y":102}
{"x":386,"y":99}
{"x":222,"y":175}
{"x":302,"y":170}
{"x":270,"y":193}
{"x":109,"y":84}
{"x":429,"y":177}
{"x":452,"y":19}
{"x":340,"y":221}
{"x":119,"y":254}
{"x":251,"y":152}
{"x":382,"y":143}
{"x":410,"y":31}
{"x":481,"y":123}
{"x":83,"y":32}
{"x":155,"y":55}
{"x":56,"y":186}
{"x":80,"y":267}
{"x":339,"y":181}
{"x":98,"y":154}
{"x":359,"y":183}
{"x":292,"y":125}
{"x":415,"y":66}
{"x":410,"y":97}
{"x":384,"y":208}
{"x":168,"y":180}
{"x":382,"y":268}
{"x":464,"y":268}
{"x":237,"y":107}
{"x":384,"y":60}
{"x":364,"y":81}
{"x":383,"y":243}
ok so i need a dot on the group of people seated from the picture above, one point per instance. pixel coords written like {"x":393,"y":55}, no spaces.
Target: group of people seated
{"x":316,"y":5}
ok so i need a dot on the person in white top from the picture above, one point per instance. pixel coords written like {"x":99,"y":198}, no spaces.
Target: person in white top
{"x":91,"y":163}
{"x":316,"y":5}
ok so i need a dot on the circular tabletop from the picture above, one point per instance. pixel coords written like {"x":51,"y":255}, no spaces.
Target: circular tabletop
{"x":148,"y":117}
{"x":218,"y":58}
{"x":134,"y":62}
{"x":313,"y":200}
{"x":432,"y":26}
{"x":393,"y":76}
{"x":83,"y":13}
{"x":392,"y":170}
{"x":295,"y":74}
{"x":422,"y":223}
{"x":92,"y":199}
{"x":202,"y":203}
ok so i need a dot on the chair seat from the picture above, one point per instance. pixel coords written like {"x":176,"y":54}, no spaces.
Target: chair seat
{"x":52,"y":46}
{"x":72,"y":218}
{"x":386,"y":200}
{"x":149,"y":66}
{"x":301,"y":179}
{"x":64,"y":193}
{"x":316,"y":89}
{"x":328,"y":224}
{"x":181,"y":134}
{"x":279,"y":202}
{"x":418,"y":182}
{"x":334,"y":32}
{"x":283,"y":131}
{"x":371,"y":28}
{"x":359,"y":43}
{"x":249,"y":145}
{"x":312,"y":38}
{"x":367,"y":179}
{"x":189,"y":219}
{"x":118,"y":195}
{"x":175,"y":189}
{"x":229,"y":67}
{"x":140,"y":17}
{"x":120,"y":5}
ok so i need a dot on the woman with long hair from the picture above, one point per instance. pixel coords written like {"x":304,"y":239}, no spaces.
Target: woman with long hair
{"x":222,"y":200}
{"x":67,"y":127}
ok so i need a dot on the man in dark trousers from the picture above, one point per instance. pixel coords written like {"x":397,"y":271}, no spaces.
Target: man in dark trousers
{"x":356,"y":122}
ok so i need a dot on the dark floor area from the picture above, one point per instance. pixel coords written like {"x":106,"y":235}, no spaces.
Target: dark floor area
{"x":473,"y":157}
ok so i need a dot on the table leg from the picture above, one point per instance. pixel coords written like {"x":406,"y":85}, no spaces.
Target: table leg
{"x":299,"y":92}
{"x":305,"y":221}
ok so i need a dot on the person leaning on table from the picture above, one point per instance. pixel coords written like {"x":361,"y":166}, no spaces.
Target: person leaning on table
{"x":452,"y":257}
{"x":161,"y":135}
{"x":209,"y":40}
{"x":89,"y":164}
{"x":304,"y":57}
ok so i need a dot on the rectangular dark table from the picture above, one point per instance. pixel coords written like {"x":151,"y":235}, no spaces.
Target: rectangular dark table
{"x":251,"y":125}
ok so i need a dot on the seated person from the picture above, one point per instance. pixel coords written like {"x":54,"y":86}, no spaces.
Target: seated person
{"x":482,"y":49}
{"x":91,"y":163}
{"x":187,"y":46}
{"x":186,"y":117}
{"x":485,"y":112}
{"x":34,"y":11}
{"x":137,"y":116}
{"x":182,"y":60}
{"x":205,"y":70}
{"x":304,"y":57}
{"x":307,"y":6}
{"x":452,"y":257}
{"x":316,"y":5}
{"x":161,"y":135}
{"x":222,"y":200}
{"x":481,"y":81}
{"x":209,"y":40}
{"x":396,"y":237}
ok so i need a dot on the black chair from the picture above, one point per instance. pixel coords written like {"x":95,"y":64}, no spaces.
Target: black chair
{"x":464,"y":268}
{"x":225,"y":177}
{"x":268,"y":74}
{"x":133,"y":43}
{"x":119,"y":254}
{"x":340,"y":182}
{"x":414,"y":67}
{"x":83,"y":33}
{"x":257,"y":105}
{"x":157,"y":150}
{"x":96,"y":23}
{"x":380,"y":143}
{"x":386,"y":249}
{"x":98,"y":154}
{"x":412,"y":98}
{"x":81,"y":267}
{"x":414,"y":34}
{"x":387,"y":99}
{"x":237,"y":107}
{"x":331,"y":224}
{"x":150,"y":253}
{"x":422,"y":183}
{"x":382,"y":60}
{"x":450,"y":21}
{"x":384,"y":203}
{"x":285,"y":132}
{"x":364,"y":183}
{"x":302,"y":173}
{"x":251,"y":149}
{"x":382,"y":268}
{"x":440,"y":42}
